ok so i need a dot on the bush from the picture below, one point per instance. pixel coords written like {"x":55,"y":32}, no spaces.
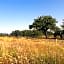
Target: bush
{"x":4,"y":34}
{"x":31,"y":33}
{"x":27,"y":33}
{"x":16,"y":33}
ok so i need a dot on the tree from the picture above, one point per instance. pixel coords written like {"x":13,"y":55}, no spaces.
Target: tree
{"x":16,"y":33}
{"x":44,"y":23}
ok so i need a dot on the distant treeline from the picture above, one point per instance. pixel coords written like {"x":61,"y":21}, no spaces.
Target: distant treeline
{"x":4,"y":34}
{"x":43,"y":25}
{"x":27,"y":33}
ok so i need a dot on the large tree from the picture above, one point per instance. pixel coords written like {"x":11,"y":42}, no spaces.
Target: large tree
{"x":44,"y":23}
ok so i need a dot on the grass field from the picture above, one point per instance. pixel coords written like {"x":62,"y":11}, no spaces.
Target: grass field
{"x":31,"y":51}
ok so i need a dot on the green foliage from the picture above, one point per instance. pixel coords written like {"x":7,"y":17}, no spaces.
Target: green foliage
{"x":59,"y":33}
{"x":28,"y":33}
{"x":16,"y":33}
{"x":31,"y":33}
{"x":44,"y":23}
{"x":4,"y":34}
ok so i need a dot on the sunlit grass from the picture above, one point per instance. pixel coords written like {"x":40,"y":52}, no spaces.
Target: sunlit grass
{"x":31,"y":51}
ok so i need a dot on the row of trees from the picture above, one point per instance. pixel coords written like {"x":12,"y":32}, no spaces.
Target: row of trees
{"x":28,"y":33}
{"x":43,"y":25}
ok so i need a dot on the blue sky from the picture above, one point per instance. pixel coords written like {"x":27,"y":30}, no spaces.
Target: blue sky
{"x":18,"y":14}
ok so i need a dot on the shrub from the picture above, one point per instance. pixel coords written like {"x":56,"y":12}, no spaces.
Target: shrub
{"x":31,"y":33}
{"x":16,"y":33}
{"x":27,"y":33}
{"x":4,"y":34}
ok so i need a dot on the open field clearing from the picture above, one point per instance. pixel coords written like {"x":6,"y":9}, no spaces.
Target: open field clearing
{"x":31,"y":51}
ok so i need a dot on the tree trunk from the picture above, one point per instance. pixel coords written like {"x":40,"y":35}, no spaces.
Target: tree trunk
{"x":45,"y":34}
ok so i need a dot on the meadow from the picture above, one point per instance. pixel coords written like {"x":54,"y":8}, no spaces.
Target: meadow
{"x":31,"y":51}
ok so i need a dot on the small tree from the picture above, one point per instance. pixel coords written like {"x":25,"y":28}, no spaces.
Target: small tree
{"x":16,"y":33}
{"x":44,"y":23}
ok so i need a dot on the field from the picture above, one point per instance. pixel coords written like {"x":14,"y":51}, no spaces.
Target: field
{"x":31,"y":51}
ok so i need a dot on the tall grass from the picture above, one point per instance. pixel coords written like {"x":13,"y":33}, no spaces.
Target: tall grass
{"x":31,"y":51}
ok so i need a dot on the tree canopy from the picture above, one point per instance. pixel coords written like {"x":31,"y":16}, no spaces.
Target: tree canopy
{"x":44,"y":23}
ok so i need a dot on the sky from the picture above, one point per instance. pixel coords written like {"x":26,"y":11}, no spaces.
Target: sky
{"x":19,"y":14}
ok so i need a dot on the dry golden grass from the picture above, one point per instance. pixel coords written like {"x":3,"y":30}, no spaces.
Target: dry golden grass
{"x":31,"y":51}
